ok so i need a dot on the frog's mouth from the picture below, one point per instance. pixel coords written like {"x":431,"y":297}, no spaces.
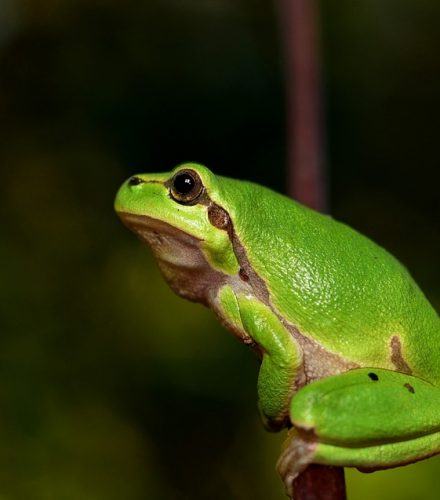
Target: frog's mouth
{"x":168,"y":243}
{"x":179,"y":256}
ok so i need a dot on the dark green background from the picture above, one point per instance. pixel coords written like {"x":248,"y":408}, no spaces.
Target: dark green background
{"x":110,"y":386}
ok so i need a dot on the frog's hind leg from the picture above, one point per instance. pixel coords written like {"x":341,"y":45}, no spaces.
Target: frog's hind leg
{"x":366,"y":418}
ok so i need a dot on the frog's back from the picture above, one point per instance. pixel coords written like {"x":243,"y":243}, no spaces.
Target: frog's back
{"x":334,"y":284}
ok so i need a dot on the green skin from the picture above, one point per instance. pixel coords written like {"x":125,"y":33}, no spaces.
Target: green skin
{"x":349,"y":343}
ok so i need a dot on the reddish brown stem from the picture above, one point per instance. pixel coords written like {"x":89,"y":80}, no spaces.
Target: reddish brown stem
{"x":306,"y":178}
{"x":320,"y":482}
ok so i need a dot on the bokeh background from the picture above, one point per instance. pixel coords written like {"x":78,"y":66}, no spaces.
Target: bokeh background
{"x":110,"y":386}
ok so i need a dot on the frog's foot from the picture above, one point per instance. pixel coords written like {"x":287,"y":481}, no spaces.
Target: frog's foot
{"x":298,"y":452}
{"x":367,"y":418}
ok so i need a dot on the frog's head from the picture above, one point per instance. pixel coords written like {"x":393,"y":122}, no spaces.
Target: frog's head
{"x":189,"y":233}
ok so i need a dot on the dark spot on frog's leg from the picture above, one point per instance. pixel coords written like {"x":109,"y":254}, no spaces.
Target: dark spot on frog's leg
{"x":409,"y":387}
{"x":373,"y":376}
{"x":243,"y":275}
{"x":397,"y":357}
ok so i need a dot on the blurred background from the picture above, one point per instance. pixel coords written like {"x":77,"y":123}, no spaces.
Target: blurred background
{"x":110,"y":386}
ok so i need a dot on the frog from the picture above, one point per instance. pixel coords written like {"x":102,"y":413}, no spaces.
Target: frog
{"x":348,"y":342}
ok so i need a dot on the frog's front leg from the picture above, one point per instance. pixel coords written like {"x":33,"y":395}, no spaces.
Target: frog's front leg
{"x":281,"y":361}
{"x":366,"y":418}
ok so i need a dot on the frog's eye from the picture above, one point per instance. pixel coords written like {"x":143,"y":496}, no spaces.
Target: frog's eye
{"x":186,"y":187}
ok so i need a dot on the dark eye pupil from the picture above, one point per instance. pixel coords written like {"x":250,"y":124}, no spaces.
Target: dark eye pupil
{"x":183,"y":183}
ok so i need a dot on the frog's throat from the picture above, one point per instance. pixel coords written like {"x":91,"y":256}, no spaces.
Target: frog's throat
{"x":179,"y":256}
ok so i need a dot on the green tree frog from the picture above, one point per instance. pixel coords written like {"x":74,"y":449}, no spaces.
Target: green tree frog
{"x":349,"y":345}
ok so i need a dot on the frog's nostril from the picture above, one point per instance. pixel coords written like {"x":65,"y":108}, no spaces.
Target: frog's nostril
{"x":134,"y":181}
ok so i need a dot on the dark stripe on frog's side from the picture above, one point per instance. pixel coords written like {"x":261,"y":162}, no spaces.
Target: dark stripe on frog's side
{"x":397,"y":357}
{"x":220,"y":219}
{"x":317,"y":361}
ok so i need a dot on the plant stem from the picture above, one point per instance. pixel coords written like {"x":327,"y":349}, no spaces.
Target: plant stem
{"x":320,"y":482}
{"x":305,"y":145}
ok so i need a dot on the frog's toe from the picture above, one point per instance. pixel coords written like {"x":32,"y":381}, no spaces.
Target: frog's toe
{"x":297,"y":454}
